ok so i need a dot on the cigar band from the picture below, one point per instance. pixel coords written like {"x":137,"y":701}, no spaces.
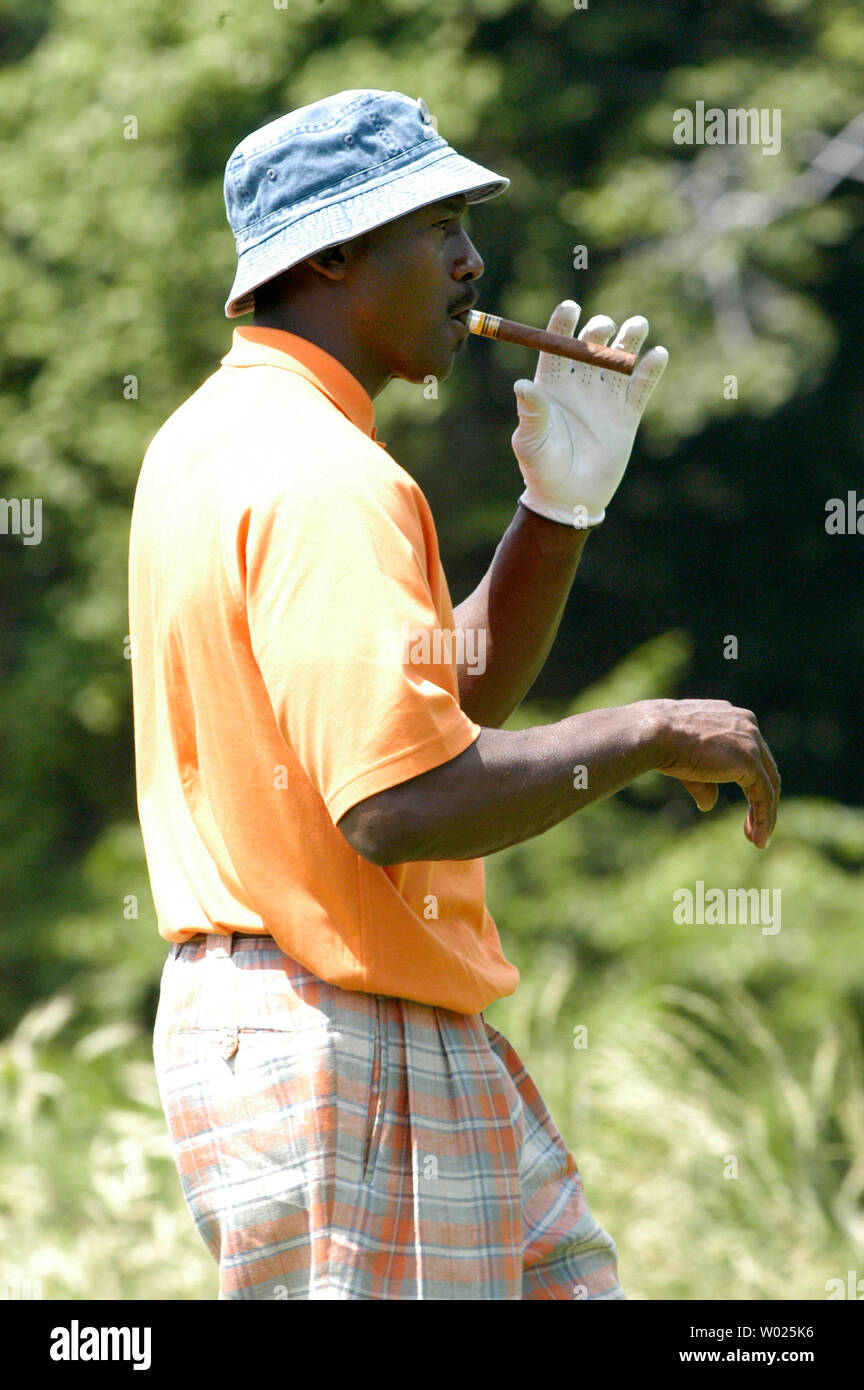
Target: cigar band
{"x":485,"y":324}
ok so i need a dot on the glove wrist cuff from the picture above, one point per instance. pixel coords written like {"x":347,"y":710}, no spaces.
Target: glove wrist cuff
{"x":576,"y":516}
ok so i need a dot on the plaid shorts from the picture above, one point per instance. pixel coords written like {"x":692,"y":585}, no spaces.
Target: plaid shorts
{"x":339,"y":1145}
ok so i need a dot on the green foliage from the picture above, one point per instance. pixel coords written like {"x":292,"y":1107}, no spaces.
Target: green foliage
{"x":90,"y":1202}
{"x":704,"y":1044}
{"x":116,"y":261}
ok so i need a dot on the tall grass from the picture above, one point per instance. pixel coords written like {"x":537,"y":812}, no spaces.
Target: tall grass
{"x":720,"y":1173}
{"x":717,"y":1170}
{"x":716,"y":1110}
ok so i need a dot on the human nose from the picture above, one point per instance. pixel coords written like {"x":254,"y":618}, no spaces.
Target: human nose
{"x":469,"y":263}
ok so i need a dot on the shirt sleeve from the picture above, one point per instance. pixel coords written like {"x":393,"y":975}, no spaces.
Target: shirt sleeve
{"x":352,"y":629}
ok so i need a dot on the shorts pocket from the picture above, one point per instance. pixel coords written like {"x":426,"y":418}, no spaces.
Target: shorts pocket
{"x":377,"y":1092}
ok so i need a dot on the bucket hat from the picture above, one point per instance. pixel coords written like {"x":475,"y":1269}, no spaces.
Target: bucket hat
{"x":331,"y":171}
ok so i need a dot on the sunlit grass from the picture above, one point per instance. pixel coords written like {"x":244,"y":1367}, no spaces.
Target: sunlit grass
{"x":661,"y":1105}
{"x":716,"y":1112}
{"x":90,"y":1203}
{"x":719,"y":1173}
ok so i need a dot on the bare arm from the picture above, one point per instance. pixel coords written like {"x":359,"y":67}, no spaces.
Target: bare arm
{"x":518,"y":606}
{"x":511,"y":785}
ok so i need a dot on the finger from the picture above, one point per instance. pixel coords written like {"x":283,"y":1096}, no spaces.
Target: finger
{"x":532,"y":405}
{"x":645,"y":378}
{"x":759,"y":838}
{"x":600,"y":330}
{"x":703,"y":793}
{"x":597,"y":330}
{"x":762,"y":814}
{"x":771,"y":767}
{"x":531,"y":401}
{"x":632,"y":334}
{"x":563,"y":320}
{"x":773,"y":776}
{"x":767,"y":757}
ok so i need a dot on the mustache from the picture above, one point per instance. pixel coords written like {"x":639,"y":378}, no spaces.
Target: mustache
{"x":464,"y":305}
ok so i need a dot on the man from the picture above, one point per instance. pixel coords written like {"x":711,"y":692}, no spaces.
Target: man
{"x":318,"y":779}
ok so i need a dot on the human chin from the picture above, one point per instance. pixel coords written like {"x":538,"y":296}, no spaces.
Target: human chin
{"x":444,"y":350}
{"x":433,"y":360}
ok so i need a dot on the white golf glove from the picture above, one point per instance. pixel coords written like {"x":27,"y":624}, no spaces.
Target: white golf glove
{"x":577,"y":423}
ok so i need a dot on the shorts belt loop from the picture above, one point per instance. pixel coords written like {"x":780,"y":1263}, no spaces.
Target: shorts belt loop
{"x":219,"y":945}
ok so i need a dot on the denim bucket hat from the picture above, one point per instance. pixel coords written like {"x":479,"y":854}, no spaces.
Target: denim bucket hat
{"x":328,"y":172}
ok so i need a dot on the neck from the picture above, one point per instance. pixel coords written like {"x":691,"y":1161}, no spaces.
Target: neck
{"x":331,"y":337}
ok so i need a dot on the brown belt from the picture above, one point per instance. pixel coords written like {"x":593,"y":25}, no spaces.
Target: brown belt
{"x":205,"y":935}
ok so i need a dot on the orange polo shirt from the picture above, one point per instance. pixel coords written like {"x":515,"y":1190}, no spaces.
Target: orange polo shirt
{"x":279,"y":558}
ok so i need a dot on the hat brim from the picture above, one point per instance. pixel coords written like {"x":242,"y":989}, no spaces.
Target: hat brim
{"x":304,"y":233}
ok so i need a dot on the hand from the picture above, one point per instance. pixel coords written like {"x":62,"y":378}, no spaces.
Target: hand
{"x":704,"y":742}
{"x":577,"y":423}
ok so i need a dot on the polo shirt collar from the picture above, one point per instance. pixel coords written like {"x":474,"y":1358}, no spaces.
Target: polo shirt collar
{"x":254,"y":346}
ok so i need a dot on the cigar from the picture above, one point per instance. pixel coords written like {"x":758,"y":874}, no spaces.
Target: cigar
{"x":491,"y":326}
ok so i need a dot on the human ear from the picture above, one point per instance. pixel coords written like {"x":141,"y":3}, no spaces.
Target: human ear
{"x":331,"y":262}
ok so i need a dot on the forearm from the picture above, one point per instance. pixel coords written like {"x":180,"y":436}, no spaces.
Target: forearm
{"x":511,"y":785}
{"x":518,"y":606}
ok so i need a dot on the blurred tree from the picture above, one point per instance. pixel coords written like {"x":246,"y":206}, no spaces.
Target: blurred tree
{"x":115,"y":127}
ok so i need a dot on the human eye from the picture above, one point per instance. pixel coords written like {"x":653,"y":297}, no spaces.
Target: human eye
{"x":453,"y":218}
